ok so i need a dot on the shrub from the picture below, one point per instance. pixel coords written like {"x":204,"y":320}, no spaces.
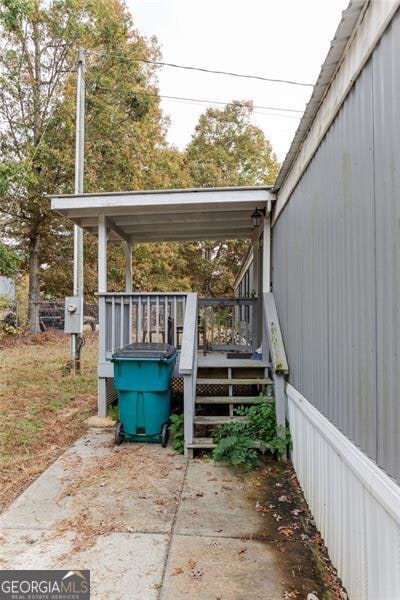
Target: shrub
{"x":237,"y":442}
{"x":178,"y":442}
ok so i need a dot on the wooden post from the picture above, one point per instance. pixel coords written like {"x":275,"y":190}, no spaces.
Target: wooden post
{"x":266,"y":279}
{"x":128,"y":266}
{"x":257,"y":309}
{"x":266,"y":274}
{"x":102,"y":288}
{"x":188,"y":367}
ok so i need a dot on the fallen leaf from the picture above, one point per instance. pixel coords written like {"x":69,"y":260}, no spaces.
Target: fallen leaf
{"x":177,"y":571}
{"x":286,"y":531}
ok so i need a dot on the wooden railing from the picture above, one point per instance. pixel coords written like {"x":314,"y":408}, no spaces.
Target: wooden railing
{"x":188,"y":366}
{"x":140,"y":317}
{"x":227,"y":324}
{"x":273,"y":347}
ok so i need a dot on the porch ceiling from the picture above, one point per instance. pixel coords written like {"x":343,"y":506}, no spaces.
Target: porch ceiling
{"x":167,"y":215}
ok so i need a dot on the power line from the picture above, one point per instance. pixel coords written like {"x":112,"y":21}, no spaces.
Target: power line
{"x":204,"y":101}
{"x":255,"y":112}
{"x":198,"y":100}
{"x":161,"y":63}
{"x":228,"y":73}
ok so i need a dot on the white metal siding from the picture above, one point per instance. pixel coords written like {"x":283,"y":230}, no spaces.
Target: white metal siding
{"x":355,"y":505}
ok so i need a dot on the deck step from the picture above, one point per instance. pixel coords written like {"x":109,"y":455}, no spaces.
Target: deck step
{"x":231,"y":399}
{"x":211,"y":362}
{"x":234,"y":381}
{"x":217,"y":420}
{"x":202,"y":442}
{"x":206,"y":443}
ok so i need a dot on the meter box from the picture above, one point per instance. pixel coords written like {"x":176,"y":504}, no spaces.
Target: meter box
{"x":73,"y":319}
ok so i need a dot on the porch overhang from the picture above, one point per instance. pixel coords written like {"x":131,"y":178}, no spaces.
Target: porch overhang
{"x":168,"y":215}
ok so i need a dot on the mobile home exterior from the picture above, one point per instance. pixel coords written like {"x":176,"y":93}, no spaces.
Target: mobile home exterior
{"x":335,"y":264}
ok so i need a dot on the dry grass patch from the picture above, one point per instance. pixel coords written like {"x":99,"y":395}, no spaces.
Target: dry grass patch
{"x":42,"y":407}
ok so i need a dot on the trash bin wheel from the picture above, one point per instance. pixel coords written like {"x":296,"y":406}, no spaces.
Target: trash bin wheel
{"x":164,"y":435}
{"x":119,"y":433}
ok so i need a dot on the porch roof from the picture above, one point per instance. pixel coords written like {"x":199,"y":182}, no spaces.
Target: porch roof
{"x":167,"y":215}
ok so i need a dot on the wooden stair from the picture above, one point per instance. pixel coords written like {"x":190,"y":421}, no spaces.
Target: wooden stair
{"x":236,"y":376}
{"x":238,"y":400}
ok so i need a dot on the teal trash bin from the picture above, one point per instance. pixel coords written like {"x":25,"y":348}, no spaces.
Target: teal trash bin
{"x":142,"y":378}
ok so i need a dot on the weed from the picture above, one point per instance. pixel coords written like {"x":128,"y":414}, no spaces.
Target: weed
{"x":113,"y":411}
{"x":237,"y":441}
{"x":176,"y":427}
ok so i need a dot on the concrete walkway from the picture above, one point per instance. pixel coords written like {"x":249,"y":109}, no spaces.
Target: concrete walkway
{"x":149,"y":525}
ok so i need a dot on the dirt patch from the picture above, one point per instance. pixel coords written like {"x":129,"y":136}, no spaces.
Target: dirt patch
{"x":289,"y":525}
{"x":42,"y":407}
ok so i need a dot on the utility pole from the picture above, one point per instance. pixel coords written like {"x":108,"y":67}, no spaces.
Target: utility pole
{"x":77,"y":338}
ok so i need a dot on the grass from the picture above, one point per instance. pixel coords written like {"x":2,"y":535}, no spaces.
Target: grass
{"x":42,"y":407}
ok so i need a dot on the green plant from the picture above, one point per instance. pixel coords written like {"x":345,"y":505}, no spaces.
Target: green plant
{"x":178,"y":442}
{"x":237,"y":450}
{"x":238,"y":442}
{"x":113,"y":411}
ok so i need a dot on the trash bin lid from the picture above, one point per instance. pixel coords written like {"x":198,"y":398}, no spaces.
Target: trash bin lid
{"x":145,"y":350}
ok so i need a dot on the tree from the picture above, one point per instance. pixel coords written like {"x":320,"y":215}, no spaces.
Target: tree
{"x":8,"y":261}
{"x":125,"y":128}
{"x":225,"y":150}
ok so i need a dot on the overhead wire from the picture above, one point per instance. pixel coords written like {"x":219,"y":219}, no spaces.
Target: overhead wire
{"x":197,"y":100}
{"x":161,"y":63}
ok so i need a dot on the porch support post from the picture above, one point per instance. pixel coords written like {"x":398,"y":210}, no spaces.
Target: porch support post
{"x":255,"y":289}
{"x":128,"y":266}
{"x":266,"y":275}
{"x":102,"y":287}
{"x":266,"y":278}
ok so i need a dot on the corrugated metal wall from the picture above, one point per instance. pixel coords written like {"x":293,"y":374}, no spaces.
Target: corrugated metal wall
{"x":354,"y":503}
{"x":336,"y":265}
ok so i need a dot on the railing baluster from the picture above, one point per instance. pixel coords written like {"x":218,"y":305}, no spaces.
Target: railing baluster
{"x":225,"y":312}
{"x":113,"y":324}
{"x":166,"y":320}
{"x":157,"y":318}
{"x":233,"y":325}
{"x":175,"y":323}
{"x":183,"y":312}
{"x":139,"y":323}
{"x":148,"y":334}
{"x":130,"y":321}
{"x":122,"y":309}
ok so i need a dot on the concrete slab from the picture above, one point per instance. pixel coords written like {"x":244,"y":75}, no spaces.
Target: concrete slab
{"x":216,"y":502}
{"x":207,"y":568}
{"x":98,"y":487}
{"x":121,"y":566}
{"x":149,"y":525}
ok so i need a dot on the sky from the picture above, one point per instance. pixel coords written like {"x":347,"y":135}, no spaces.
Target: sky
{"x":272,"y":38}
